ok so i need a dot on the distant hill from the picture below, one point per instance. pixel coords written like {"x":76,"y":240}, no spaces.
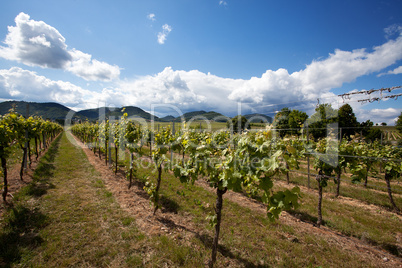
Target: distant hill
{"x":201,"y":115}
{"x":51,"y":110}
{"x":169,"y":118}
{"x":188,"y":116}
{"x":55,"y":111}
{"x":46,"y":110}
{"x":218,"y":117}
{"x":94,"y":114}
{"x":257,"y":118}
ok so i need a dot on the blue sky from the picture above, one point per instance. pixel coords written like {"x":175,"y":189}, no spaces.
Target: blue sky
{"x":211,"y":55}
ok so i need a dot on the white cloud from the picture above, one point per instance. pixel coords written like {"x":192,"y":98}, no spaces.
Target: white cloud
{"x":392,"y":30}
{"x":19,"y":84}
{"x":40,"y":40}
{"x":319,"y":77}
{"x":222,"y":2}
{"x":84,"y":66}
{"x":397,"y":70}
{"x":166,"y":29}
{"x":187,"y":90}
{"x":151,"y":17}
{"x":388,"y":115}
{"x":35,"y":43}
{"x":194,"y":90}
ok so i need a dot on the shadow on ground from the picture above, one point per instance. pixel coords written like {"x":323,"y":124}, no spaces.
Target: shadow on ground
{"x":21,"y":223}
{"x":20,"y":233}
{"x":207,"y":241}
{"x":43,"y":172}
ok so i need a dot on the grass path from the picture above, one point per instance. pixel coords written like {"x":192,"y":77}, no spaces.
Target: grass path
{"x":66,"y":217}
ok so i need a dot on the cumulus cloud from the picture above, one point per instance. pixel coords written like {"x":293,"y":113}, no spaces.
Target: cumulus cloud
{"x":188,"y":90}
{"x":388,"y":115}
{"x":319,"y":77}
{"x":397,"y":70}
{"x":151,"y":17}
{"x":84,"y":66}
{"x":35,"y":43}
{"x":19,"y":84}
{"x":193,"y":90}
{"x":166,"y":29}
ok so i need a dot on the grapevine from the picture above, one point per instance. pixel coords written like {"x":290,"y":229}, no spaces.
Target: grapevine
{"x":16,"y":130}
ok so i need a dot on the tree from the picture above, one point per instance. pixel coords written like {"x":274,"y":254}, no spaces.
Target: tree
{"x":369,"y":133}
{"x":319,"y":122}
{"x":281,"y":121}
{"x":398,"y":124}
{"x":347,"y":120}
{"x":13,"y":131}
{"x":238,"y":124}
{"x":374,"y":134}
{"x":296,"y":120}
{"x":104,"y":138}
{"x":365,"y":127}
{"x":289,"y":121}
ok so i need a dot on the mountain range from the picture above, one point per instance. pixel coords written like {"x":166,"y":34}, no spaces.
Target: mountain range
{"x":56,"y":111}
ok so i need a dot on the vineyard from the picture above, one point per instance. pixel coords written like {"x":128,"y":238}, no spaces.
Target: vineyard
{"x":15,"y":130}
{"x":221,"y":198}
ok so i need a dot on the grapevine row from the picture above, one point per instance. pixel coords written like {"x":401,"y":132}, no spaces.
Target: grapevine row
{"x":15,"y":130}
{"x":247,"y":161}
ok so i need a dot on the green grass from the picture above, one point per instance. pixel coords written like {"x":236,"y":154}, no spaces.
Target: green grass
{"x":348,"y":189}
{"x":376,"y":179}
{"x":378,"y":229}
